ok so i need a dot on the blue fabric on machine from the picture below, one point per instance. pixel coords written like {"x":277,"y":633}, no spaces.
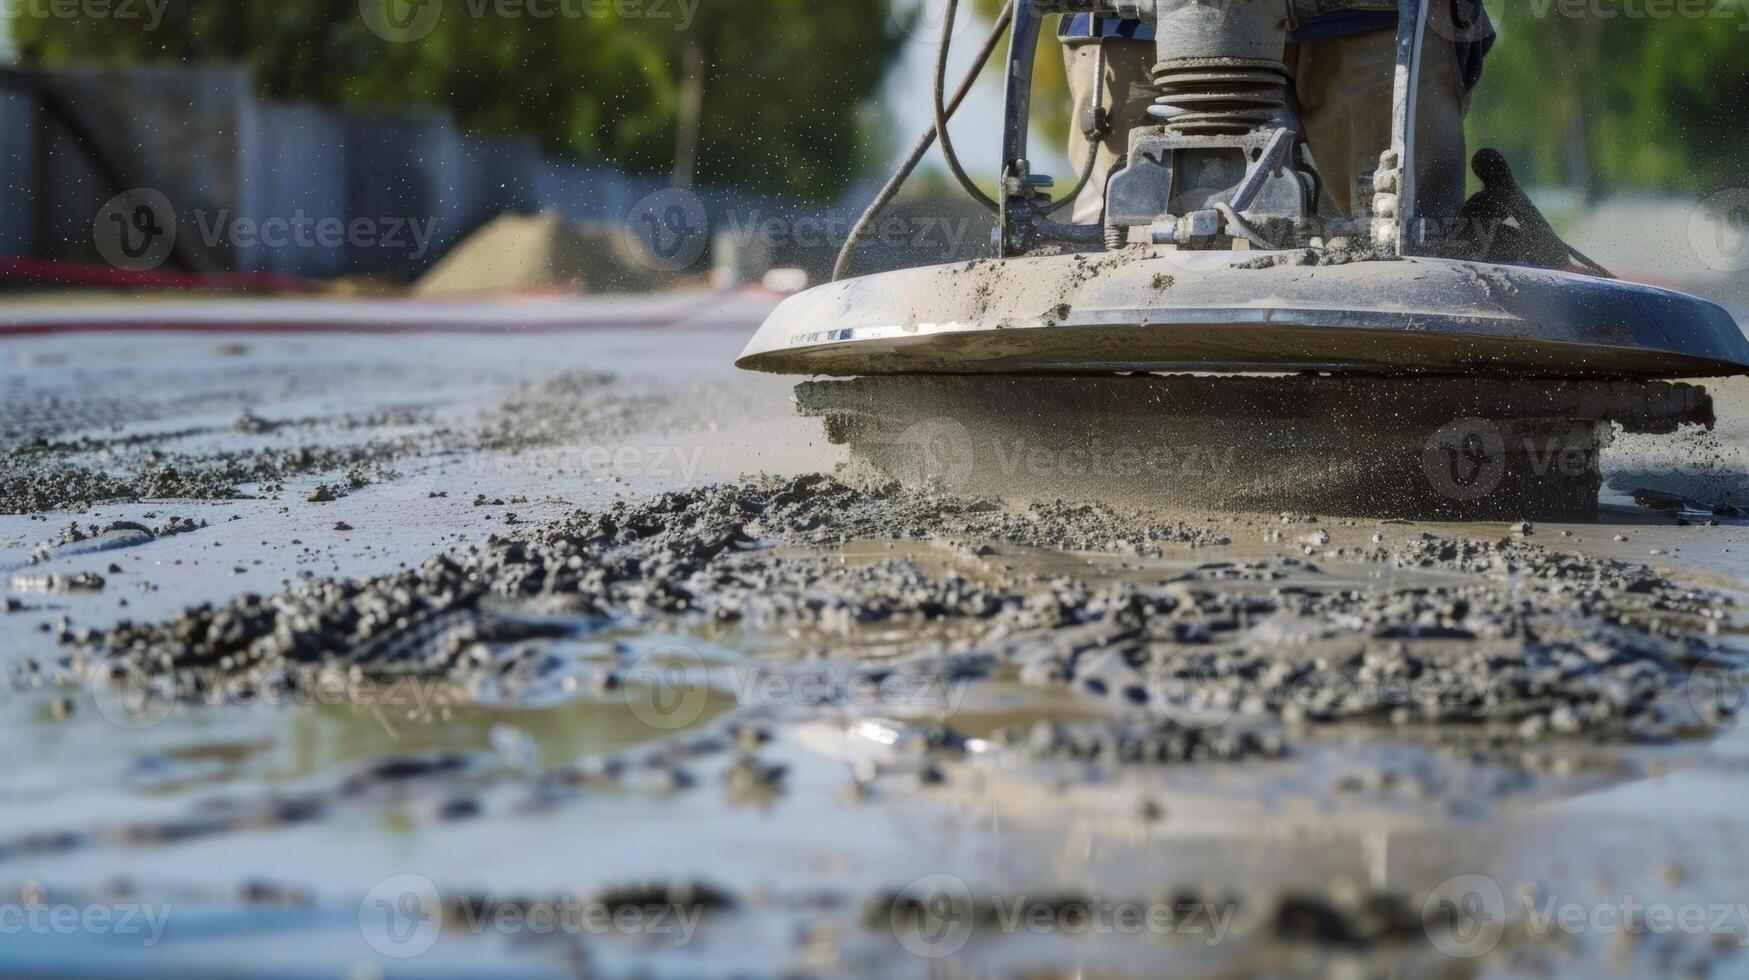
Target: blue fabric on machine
{"x":1327,"y":26}
{"x":1471,"y":53}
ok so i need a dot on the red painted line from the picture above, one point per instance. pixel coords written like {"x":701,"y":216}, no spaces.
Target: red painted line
{"x":21,"y":326}
{"x":49,"y":272}
{"x":324,"y":326}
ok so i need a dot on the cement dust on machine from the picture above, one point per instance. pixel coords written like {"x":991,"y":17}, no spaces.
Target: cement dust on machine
{"x":1223,"y":333}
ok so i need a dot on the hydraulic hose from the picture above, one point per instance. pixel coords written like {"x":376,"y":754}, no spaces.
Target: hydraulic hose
{"x":842,"y":269}
{"x":1095,"y":128}
{"x":1081,"y":184}
{"x":941,"y":134}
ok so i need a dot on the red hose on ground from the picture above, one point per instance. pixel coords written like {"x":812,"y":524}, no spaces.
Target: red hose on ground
{"x":52,"y":273}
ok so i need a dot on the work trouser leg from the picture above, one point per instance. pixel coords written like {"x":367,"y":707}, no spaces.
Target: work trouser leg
{"x":1344,"y":88}
{"x":1127,"y":90}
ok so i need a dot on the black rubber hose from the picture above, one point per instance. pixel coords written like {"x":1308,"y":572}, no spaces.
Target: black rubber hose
{"x":842,"y":269}
{"x":1081,"y":184}
{"x":941,"y":134}
{"x":1093,"y":133}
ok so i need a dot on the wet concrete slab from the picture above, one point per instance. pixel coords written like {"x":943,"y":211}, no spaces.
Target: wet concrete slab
{"x":829,"y":748}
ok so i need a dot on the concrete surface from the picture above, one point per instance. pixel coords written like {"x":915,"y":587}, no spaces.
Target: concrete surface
{"x":100,"y":810}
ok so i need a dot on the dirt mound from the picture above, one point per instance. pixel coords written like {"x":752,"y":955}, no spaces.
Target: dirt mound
{"x":540,"y":253}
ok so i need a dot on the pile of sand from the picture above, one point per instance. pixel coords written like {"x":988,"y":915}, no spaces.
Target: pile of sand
{"x":516,"y":253}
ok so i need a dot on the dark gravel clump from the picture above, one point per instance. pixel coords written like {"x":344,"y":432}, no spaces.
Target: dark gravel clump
{"x":1532,"y":642}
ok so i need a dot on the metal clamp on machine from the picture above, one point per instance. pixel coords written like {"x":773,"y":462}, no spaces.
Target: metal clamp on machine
{"x":1227,"y":160}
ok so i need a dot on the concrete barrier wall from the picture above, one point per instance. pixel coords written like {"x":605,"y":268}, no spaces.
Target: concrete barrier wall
{"x":295,"y":171}
{"x":20,"y":142}
{"x":403,"y":174}
{"x":499,"y":175}
{"x":253,"y":181}
{"x":591,"y":192}
{"x":176,"y":131}
{"x":69,"y":193}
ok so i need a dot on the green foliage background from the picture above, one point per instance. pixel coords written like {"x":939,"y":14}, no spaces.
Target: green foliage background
{"x":1597,"y":103}
{"x":1600,"y":104}
{"x":1621,"y":104}
{"x":786,"y":87}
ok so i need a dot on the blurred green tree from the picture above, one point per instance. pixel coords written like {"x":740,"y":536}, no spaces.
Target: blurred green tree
{"x":767,"y":93}
{"x":1050,"y":102}
{"x":1617,"y":104}
{"x":770,"y":92}
{"x":1579,"y":99}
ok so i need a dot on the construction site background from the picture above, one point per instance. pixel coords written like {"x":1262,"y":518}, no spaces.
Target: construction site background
{"x":255,"y":155}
